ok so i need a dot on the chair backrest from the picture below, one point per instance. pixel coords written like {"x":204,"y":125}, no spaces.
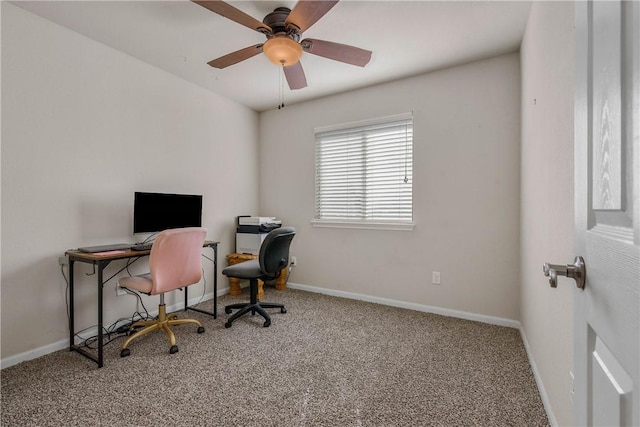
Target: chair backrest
{"x":274,"y":251}
{"x":176,"y":258}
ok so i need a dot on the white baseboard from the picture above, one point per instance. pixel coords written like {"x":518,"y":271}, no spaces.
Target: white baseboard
{"x":64,"y":344}
{"x":33,"y":354}
{"x":536,"y":374}
{"x":499,"y":321}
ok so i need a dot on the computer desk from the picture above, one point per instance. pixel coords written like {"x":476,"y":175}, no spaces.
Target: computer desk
{"x":101,"y":262}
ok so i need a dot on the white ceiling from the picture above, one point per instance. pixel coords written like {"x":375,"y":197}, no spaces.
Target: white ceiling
{"x":406,"y":37}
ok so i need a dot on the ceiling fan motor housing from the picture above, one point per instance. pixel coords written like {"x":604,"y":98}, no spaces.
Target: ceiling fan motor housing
{"x":277,"y":21}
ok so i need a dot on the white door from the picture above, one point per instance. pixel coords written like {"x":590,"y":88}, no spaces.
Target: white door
{"x":607,"y":165}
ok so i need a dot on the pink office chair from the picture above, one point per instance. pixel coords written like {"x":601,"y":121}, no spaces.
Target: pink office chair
{"x":175,"y":262}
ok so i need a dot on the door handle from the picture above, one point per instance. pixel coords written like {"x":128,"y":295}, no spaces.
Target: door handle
{"x":577,"y":271}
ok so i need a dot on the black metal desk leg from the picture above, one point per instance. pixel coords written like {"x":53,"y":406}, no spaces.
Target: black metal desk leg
{"x":215,"y":281}
{"x":213,"y":313}
{"x":71,"y":308}
{"x":100,"y":336}
{"x":186,"y":297}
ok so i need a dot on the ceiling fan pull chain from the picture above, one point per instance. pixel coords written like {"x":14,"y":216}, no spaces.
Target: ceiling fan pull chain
{"x":281,"y":88}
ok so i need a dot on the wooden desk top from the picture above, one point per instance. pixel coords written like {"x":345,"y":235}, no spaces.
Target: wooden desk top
{"x":121,"y":254}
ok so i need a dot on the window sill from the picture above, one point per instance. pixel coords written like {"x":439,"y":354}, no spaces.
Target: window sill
{"x":323,"y":223}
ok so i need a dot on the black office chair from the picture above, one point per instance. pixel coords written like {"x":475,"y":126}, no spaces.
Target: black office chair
{"x":274,"y":256}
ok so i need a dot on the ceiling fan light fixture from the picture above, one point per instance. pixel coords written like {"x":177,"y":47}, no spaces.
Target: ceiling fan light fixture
{"x":282,"y":50}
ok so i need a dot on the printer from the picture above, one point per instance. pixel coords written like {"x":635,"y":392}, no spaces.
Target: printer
{"x":251,"y":232}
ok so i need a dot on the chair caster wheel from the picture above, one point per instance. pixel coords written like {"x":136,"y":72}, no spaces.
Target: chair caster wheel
{"x":267,"y":323}
{"x":201,"y":329}
{"x":227,"y":310}
{"x":227,"y":325}
{"x":173,"y":349}
{"x":283,"y":310}
{"x":125,"y":352}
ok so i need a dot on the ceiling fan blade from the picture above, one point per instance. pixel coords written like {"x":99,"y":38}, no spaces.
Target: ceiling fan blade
{"x":235,"y":57}
{"x":295,"y":76}
{"x":307,"y":12}
{"x":337,"y":51}
{"x":236,"y":15}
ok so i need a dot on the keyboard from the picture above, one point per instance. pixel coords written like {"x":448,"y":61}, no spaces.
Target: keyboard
{"x":141,"y":247}
{"x":105,"y":248}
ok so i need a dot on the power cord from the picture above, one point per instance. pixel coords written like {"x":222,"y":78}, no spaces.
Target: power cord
{"x":112,"y":329}
{"x":151,"y":238}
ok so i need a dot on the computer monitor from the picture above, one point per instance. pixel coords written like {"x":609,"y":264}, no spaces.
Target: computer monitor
{"x":154,"y":212}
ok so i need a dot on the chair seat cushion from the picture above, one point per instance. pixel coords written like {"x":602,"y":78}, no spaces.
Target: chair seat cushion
{"x":140,"y":283}
{"x":244,"y":270}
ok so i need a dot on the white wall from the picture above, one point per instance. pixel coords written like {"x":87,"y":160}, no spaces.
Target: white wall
{"x":548,"y":68}
{"x":84,"y":126}
{"x":466,"y":191}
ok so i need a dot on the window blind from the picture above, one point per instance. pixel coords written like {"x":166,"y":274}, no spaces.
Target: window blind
{"x":364,"y":171}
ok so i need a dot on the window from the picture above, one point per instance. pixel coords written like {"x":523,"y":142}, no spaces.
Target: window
{"x":364,"y":174}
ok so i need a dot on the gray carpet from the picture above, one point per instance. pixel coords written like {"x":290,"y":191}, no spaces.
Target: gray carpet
{"x":327,"y":362}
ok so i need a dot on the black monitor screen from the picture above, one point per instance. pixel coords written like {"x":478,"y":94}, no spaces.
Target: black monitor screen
{"x":154,"y":212}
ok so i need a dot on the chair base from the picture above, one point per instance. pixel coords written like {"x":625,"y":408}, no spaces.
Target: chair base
{"x":162,"y":323}
{"x":253,"y":306}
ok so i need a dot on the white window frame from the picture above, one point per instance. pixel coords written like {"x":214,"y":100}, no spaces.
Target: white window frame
{"x":363,"y":223}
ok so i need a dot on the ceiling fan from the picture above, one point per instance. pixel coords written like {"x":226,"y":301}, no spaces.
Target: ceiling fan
{"x":283,"y":29}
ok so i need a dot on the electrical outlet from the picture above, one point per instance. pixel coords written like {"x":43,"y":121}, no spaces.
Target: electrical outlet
{"x":294,"y":261}
{"x":120,"y":291}
{"x":435,"y":277}
{"x":63,"y":260}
